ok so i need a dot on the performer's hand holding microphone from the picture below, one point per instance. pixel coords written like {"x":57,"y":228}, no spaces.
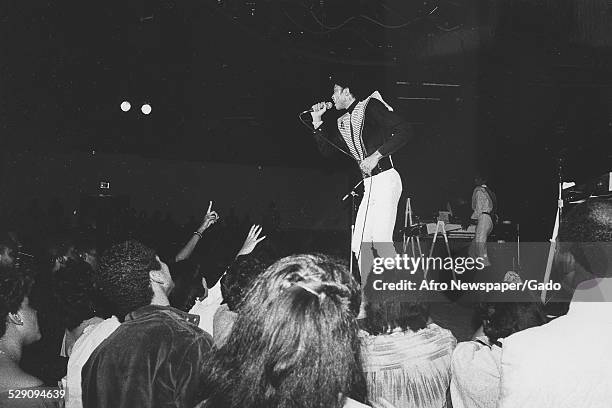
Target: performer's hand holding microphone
{"x":318,"y":110}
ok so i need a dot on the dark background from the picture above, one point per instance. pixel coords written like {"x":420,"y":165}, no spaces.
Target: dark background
{"x":226,"y":80}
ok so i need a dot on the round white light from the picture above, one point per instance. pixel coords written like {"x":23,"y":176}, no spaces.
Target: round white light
{"x":125,"y":106}
{"x":146,"y":109}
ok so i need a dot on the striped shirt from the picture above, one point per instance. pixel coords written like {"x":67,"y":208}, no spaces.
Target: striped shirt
{"x":350,"y":126}
{"x":409,"y":369}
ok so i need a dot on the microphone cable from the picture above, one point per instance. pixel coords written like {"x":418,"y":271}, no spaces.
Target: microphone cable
{"x":325,"y":138}
{"x":369,"y":190}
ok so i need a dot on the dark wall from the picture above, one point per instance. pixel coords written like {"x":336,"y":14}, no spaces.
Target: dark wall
{"x":305,"y":198}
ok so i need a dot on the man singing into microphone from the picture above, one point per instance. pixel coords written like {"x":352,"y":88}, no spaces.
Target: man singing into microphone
{"x":372,"y":132}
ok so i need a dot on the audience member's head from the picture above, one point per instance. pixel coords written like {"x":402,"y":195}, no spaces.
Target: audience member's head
{"x":586,"y":234}
{"x":590,"y":221}
{"x":75,"y":295}
{"x":188,"y":285}
{"x":18,"y":320}
{"x":239,"y":279}
{"x":8,"y":250}
{"x":385,"y":316}
{"x":88,"y":252}
{"x":59,"y":250}
{"x":130,"y":274}
{"x":501,"y":319}
{"x":295,"y":338}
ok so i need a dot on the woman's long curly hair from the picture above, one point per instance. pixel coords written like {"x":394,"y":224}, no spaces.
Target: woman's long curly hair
{"x":295,"y":341}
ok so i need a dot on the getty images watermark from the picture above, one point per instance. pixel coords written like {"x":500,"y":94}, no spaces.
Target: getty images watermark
{"x":458,"y":265}
{"x":458,"y":269}
{"x":413,"y":264}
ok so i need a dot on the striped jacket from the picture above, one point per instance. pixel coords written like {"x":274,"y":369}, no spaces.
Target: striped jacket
{"x":367,"y":126}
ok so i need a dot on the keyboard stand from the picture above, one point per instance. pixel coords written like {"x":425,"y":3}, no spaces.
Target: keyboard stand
{"x":439,"y":227}
{"x":410,"y":239}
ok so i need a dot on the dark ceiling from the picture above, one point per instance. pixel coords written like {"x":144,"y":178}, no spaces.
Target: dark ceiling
{"x":227,"y":78}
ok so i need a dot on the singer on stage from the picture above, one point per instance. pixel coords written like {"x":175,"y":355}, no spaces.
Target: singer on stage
{"x":484,"y":204}
{"x":371,"y":132}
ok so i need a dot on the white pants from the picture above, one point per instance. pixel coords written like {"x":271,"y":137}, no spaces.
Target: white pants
{"x":376,"y":218}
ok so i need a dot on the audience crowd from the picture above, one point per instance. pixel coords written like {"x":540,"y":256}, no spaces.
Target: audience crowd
{"x":142,"y":312}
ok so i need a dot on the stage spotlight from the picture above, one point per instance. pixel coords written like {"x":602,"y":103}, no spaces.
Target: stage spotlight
{"x":125,"y":106}
{"x":146,"y":109}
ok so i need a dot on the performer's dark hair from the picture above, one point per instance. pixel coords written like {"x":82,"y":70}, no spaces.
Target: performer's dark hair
{"x":354,"y":81}
{"x":295,"y":340}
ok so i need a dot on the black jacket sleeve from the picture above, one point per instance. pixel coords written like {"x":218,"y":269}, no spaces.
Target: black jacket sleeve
{"x":396,"y":131}
{"x":326,"y":133}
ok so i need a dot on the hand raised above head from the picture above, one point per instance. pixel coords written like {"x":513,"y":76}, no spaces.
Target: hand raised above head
{"x":209,"y":219}
{"x":251,"y":241}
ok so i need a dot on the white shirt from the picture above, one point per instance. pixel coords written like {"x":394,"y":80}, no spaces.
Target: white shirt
{"x":566,"y":363}
{"x":475,"y":375}
{"x":481,"y":201}
{"x":207,"y":308}
{"x":81,"y":351}
{"x":351,"y":403}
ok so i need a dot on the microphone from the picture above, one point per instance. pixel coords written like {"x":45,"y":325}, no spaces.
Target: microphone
{"x":328,"y":105}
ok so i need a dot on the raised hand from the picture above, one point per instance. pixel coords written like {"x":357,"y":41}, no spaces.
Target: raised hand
{"x":251,"y":241}
{"x":209,"y":219}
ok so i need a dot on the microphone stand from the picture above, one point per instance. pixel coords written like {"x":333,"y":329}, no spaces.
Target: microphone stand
{"x":518,"y":248}
{"x":353,"y":194}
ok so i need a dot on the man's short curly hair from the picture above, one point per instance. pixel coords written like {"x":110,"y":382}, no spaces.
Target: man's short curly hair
{"x":590,"y":221}
{"x":586,"y":232}
{"x":14,"y":287}
{"x":124,"y":278}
